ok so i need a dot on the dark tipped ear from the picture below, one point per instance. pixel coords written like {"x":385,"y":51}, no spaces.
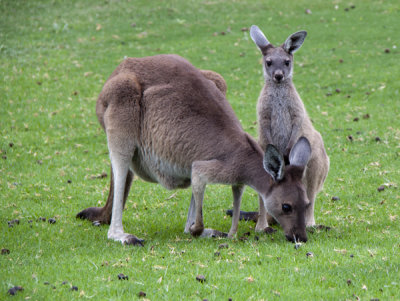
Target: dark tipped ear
{"x":259,"y":38}
{"x":274,"y":162}
{"x":294,"y":42}
{"x":300,"y":153}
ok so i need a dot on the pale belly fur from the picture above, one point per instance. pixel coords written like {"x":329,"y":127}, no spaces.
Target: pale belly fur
{"x":152,"y":168}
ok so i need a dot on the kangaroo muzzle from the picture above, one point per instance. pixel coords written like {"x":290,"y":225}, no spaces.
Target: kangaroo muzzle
{"x":278,"y":76}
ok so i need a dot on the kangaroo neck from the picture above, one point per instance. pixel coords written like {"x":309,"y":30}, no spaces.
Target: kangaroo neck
{"x":255,"y":175}
{"x":260,"y":180}
{"x":282,"y":92}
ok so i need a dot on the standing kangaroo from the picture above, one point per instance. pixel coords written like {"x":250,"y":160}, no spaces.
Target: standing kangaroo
{"x":282,"y":118}
{"x":170,"y":123}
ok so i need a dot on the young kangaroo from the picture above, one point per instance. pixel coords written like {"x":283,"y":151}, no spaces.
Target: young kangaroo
{"x":170,"y":123}
{"x":282,"y":118}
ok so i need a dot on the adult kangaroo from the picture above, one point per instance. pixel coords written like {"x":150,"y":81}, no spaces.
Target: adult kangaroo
{"x":283,"y":120}
{"x":170,"y":123}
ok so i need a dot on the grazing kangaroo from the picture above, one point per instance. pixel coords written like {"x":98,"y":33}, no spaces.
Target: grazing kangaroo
{"x":282,"y":118}
{"x":170,"y":123}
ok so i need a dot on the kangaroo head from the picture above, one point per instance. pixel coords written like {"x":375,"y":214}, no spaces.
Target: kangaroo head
{"x":287,"y":199}
{"x":277,"y":61}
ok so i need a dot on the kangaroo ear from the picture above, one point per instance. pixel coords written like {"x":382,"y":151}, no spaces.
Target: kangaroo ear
{"x":259,"y":38}
{"x":274,"y":162}
{"x":294,"y":42}
{"x":300,"y":153}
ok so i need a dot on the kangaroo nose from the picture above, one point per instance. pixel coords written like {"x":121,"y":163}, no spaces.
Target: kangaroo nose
{"x":278,"y":76}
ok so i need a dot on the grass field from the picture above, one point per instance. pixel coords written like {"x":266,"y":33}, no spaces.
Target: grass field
{"x":54,"y":58}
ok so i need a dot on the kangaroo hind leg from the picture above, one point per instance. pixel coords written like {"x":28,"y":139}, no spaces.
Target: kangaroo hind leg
{"x":121,"y":122}
{"x":102,"y":215}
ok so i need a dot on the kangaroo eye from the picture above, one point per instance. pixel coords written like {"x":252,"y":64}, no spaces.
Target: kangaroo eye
{"x":287,"y":62}
{"x":269,"y":62}
{"x":286,"y":208}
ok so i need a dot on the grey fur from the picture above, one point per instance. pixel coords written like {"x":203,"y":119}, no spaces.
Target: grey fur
{"x":282,"y":120}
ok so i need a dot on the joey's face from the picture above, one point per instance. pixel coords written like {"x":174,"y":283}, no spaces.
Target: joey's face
{"x":287,"y":203}
{"x":277,"y":65}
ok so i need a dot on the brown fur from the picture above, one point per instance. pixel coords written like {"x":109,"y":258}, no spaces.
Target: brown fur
{"x":170,"y":123}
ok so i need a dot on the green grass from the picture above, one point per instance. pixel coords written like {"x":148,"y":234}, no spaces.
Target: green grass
{"x":54,"y":59}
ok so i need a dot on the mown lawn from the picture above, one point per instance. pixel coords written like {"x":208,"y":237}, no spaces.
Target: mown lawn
{"x":54,"y":58}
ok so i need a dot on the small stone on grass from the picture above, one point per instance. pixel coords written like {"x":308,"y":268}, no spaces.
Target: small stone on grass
{"x":12,"y":291}
{"x":122,"y":277}
{"x":223,"y":246}
{"x":5,"y":251}
{"x":201,"y":278}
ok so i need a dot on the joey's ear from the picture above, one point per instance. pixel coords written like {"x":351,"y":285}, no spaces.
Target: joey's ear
{"x":294,"y":42}
{"x":274,"y":162}
{"x":300,"y":153}
{"x":259,"y":38}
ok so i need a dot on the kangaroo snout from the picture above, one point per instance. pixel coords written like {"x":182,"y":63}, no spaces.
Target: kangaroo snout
{"x":278,"y":76}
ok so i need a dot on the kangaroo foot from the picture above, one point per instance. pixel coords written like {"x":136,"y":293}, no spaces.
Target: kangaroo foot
{"x":245,"y":215}
{"x":133,"y":240}
{"x":213,"y":233}
{"x":269,"y":230}
{"x":196,"y":230}
{"x":125,"y":238}
{"x":95,"y":214}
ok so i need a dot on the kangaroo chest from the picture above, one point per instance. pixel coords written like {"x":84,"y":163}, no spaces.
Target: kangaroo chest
{"x":280,"y":125}
{"x":276,"y":115}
